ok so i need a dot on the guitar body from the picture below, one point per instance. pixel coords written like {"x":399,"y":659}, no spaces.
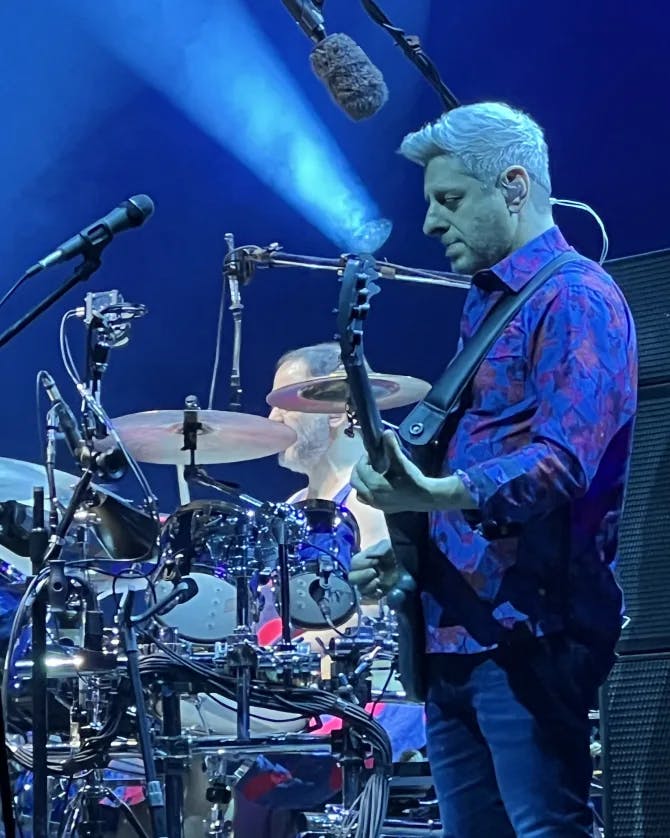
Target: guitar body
{"x":408,"y":531}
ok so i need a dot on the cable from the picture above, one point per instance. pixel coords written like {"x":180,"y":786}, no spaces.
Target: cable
{"x":13,"y":289}
{"x":564,"y":202}
{"x":102,"y":416}
{"x":411,"y":47}
{"x":217,"y":351}
{"x":392,"y":670}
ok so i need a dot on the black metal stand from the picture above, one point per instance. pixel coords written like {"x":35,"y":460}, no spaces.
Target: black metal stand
{"x":38,"y":545}
{"x":284,"y":580}
{"x":83,"y":272}
{"x":155,"y":797}
{"x":352,"y":767}
{"x":54,"y":594}
{"x":82,"y":817}
{"x":174,"y":785}
{"x":232,"y":272}
{"x":6,"y":797}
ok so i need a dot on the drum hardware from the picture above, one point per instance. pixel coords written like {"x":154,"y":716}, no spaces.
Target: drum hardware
{"x":320,"y":595}
{"x":108,"y":319}
{"x":174,"y":786}
{"x":155,"y":796}
{"x":235,"y":276}
{"x":54,"y":594}
{"x":82,"y":812}
{"x":251,"y":257}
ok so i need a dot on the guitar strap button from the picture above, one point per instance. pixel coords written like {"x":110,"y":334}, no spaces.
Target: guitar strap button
{"x":416,"y":428}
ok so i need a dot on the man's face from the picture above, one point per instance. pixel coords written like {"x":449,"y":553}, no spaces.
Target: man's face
{"x":313,"y":429}
{"x":471,"y":219}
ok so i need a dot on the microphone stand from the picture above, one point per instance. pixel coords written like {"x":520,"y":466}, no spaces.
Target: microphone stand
{"x":155,"y":797}
{"x":82,"y":273}
{"x":38,"y":545}
{"x":54,"y":593}
{"x":411,"y":47}
{"x":272,"y":256}
{"x":232,"y":272}
{"x":97,"y":357}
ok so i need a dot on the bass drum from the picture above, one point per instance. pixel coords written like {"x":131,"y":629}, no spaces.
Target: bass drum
{"x":209,"y":541}
{"x":319,"y":589}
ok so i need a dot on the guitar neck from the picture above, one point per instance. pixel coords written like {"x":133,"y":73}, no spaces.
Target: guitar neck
{"x":368,"y":417}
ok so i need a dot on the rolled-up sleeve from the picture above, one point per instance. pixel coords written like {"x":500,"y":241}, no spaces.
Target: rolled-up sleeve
{"x":583,"y":371}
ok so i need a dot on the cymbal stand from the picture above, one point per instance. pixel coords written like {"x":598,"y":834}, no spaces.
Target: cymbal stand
{"x":282,"y":511}
{"x":243,"y":654}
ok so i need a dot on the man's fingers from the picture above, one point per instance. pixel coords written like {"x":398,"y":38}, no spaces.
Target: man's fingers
{"x":363,"y":577}
{"x":364,"y":562}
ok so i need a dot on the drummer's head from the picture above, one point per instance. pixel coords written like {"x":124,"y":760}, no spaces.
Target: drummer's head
{"x":316,"y":431}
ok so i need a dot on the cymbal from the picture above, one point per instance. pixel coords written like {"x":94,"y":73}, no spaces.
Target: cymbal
{"x":156,"y":436}
{"x":17,"y":479}
{"x":330,"y":393}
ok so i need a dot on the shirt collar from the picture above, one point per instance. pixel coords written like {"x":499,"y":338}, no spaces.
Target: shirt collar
{"x":517,"y":269}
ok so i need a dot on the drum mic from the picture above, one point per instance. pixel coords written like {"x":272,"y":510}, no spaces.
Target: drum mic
{"x":182,"y":592}
{"x":354,"y":83}
{"x":111,"y":463}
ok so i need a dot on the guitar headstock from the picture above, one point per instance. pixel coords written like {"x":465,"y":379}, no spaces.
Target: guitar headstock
{"x":358,"y":287}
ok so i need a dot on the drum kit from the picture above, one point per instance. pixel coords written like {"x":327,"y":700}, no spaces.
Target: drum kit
{"x":143,"y":631}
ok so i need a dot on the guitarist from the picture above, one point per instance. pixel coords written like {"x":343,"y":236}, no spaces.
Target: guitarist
{"x":528,"y":498}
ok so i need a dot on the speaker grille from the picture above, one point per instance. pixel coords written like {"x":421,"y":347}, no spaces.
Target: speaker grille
{"x":635,"y":731}
{"x":644,"y":554}
{"x":645,"y":282}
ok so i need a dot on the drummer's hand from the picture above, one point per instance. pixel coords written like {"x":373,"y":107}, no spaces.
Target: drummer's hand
{"x":375,"y":570}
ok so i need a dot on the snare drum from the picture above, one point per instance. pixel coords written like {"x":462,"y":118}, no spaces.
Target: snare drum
{"x":319,"y":589}
{"x":212,"y":541}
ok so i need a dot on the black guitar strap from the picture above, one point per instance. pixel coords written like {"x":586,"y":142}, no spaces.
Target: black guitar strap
{"x":423,"y":426}
{"x":424,"y":432}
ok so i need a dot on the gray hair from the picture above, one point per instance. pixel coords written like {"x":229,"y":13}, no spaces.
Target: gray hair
{"x":486,"y":138}
{"x":320,"y":358}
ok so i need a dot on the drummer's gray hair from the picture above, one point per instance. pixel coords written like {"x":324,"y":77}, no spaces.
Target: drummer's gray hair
{"x":321,"y":358}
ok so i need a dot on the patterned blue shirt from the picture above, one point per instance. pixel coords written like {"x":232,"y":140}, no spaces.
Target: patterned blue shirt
{"x":544,"y":449}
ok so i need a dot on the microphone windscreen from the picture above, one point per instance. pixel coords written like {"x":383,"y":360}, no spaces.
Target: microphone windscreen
{"x":354,"y":82}
{"x":140,"y":207}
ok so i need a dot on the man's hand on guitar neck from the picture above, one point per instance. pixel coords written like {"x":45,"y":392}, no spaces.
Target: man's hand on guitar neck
{"x":404,"y":487}
{"x":375,"y":570}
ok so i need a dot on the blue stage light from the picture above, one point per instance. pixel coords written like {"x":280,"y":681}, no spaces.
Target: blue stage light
{"x":214,"y":62}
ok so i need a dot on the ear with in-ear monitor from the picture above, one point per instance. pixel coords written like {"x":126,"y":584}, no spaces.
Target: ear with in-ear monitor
{"x":513,"y":190}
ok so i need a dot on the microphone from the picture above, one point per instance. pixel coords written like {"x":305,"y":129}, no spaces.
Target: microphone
{"x":131,"y":213}
{"x":354,"y":83}
{"x":110,"y":463}
{"x":182,"y":592}
{"x":66,"y":419}
{"x":309,"y":18}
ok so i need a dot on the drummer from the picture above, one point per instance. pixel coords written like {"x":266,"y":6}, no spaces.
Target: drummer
{"x":322,"y":450}
{"x":325,"y":454}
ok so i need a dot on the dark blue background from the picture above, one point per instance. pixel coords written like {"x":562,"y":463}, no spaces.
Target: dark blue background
{"x":81,"y":131}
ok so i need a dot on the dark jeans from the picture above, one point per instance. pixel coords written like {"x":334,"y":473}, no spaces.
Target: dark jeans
{"x":508,"y":740}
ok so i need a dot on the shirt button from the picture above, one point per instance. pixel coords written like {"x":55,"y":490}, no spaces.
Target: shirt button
{"x":542,"y":591}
